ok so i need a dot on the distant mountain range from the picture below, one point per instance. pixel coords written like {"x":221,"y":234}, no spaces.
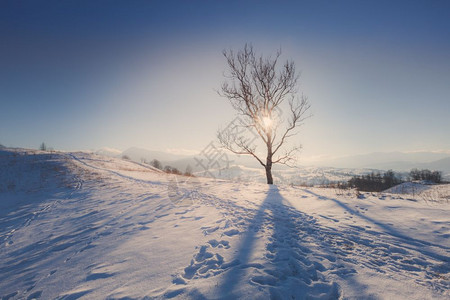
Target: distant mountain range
{"x":397,"y":161}
{"x":109,"y":152}
{"x":178,"y":161}
{"x":138,"y":153}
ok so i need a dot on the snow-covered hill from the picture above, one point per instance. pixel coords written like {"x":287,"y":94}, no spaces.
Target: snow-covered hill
{"x":399,"y":161}
{"x":80,"y":225}
{"x":105,"y":151}
{"x":305,"y":176}
{"x":243,"y":167}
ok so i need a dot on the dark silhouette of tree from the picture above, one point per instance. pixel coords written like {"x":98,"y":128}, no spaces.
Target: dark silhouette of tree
{"x":375,"y":182}
{"x":156,"y":164}
{"x":427,"y":175}
{"x":171,"y":170}
{"x":258,"y":89}
{"x":43,"y":147}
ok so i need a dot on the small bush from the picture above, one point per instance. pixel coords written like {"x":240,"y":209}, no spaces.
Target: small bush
{"x":156,"y":164}
{"x":172,"y":170}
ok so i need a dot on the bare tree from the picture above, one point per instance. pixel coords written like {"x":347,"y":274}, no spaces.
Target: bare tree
{"x":156,"y":164}
{"x":259,"y":89}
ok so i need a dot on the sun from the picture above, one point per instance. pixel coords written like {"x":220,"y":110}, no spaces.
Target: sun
{"x":267,"y":122}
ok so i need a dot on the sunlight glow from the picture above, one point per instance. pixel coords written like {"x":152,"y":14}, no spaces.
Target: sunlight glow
{"x":267,"y":122}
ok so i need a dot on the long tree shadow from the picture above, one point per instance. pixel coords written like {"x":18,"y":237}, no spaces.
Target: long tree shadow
{"x":239,"y":264}
{"x":288,"y":267}
{"x":412,"y":243}
{"x":389,"y":251}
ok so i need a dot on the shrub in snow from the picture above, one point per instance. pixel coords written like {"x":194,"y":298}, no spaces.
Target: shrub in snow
{"x":156,"y":164}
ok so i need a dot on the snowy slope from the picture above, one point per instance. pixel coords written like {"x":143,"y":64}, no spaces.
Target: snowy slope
{"x":79,"y":225}
{"x":305,"y":176}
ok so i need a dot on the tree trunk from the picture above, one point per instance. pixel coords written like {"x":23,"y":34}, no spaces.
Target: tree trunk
{"x":269,"y":174}
{"x":269,"y":164}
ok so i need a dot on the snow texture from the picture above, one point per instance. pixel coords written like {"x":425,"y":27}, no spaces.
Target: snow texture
{"x":81,"y":225}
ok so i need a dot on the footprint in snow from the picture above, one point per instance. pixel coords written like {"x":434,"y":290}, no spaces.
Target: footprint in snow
{"x":220,"y":244}
{"x":208,"y":230}
{"x":231,"y":232}
{"x":204,"y":264}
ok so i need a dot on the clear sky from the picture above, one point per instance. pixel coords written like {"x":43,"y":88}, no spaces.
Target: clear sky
{"x":92,"y":74}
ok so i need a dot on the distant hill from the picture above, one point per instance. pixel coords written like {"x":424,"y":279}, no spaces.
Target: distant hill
{"x":138,"y":153}
{"x":182,"y":161}
{"x":247,"y":167}
{"x":438,"y":165}
{"x":400,"y":161}
{"x":109,"y":152}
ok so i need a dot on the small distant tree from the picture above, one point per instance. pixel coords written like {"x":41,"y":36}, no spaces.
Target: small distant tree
{"x":171,"y":170}
{"x":436,"y":176}
{"x":257,"y":88}
{"x":156,"y":164}
{"x":188,"y":171}
{"x":390,"y":179}
{"x":126,"y":157}
{"x":43,"y":147}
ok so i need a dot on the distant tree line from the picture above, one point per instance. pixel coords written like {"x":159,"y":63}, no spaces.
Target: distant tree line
{"x":425,"y":174}
{"x":168,"y":169}
{"x":377,"y":182}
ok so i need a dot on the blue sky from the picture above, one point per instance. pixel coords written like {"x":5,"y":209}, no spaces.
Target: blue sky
{"x":90,"y":74}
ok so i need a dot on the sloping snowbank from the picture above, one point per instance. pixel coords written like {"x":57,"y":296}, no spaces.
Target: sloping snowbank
{"x":412,"y":188}
{"x":420,"y":191}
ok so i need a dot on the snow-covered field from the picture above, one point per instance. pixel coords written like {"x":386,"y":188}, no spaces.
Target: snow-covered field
{"x":79,"y":225}
{"x":305,"y":176}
